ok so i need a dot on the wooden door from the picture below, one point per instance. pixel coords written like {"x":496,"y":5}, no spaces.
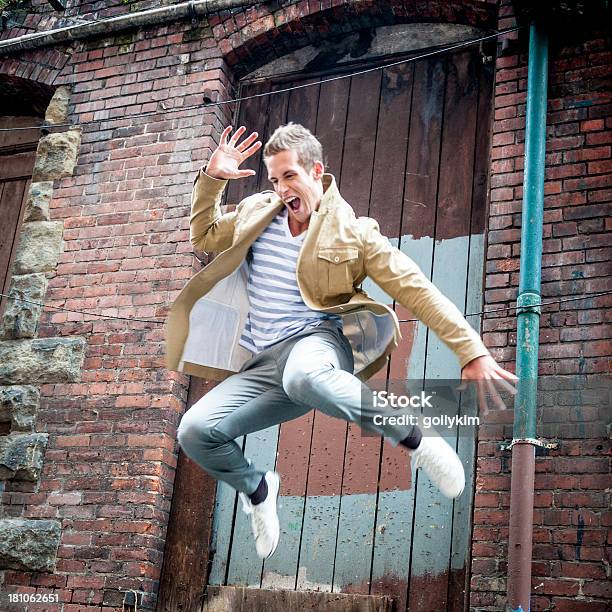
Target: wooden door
{"x":17,"y":153}
{"x":408,"y":146}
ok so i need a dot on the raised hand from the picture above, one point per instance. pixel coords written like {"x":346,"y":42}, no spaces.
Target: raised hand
{"x":226,"y":158}
{"x":488,"y":375}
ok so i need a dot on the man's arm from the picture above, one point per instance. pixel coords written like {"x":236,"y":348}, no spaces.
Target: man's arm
{"x":402,"y":279}
{"x":209,"y":229}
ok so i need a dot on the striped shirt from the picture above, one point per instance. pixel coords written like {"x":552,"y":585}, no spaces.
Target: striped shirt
{"x":277,"y":310}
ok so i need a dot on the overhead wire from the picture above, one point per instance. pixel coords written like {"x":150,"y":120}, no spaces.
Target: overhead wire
{"x":484,"y":312}
{"x":442,"y":50}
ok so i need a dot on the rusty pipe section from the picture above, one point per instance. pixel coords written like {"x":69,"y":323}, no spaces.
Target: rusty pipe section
{"x":528,"y":328}
{"x":521,"y":521}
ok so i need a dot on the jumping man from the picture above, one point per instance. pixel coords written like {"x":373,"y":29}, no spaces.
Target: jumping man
{"x":280,"y":318}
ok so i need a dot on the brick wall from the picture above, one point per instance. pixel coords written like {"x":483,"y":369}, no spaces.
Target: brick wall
{"x":109,"y":466}
{"x":571,"y":518}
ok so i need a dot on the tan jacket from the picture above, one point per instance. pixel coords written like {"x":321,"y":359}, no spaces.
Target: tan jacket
{"x":339,"y":251}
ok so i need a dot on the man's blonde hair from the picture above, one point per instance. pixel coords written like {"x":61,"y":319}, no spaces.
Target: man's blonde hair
{"x":295,"y":137}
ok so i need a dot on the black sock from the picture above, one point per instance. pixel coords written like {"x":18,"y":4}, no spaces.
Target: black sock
{"x":413,"y":440}
{"x":260,"y":493}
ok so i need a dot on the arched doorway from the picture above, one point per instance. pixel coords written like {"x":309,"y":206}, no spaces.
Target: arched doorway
{"x":408,"y":146}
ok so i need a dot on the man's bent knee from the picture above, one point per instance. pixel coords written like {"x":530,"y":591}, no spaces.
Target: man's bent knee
{"x":304,"y":385}
{"x":194,"y":433}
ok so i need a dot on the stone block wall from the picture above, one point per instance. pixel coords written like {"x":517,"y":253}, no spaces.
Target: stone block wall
{"x":571,"y":562}
{"x":26,"y":361}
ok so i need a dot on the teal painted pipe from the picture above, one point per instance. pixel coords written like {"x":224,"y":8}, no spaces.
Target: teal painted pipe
{"x":528,"y":302}
{"x":528,"y":328}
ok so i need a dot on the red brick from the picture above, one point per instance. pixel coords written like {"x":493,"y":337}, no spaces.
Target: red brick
{"x":586,"y":154}
{"x":575,"y":604}
{"x":598,"y":589}
{"x":598,"y":138}
{"x":91,"y":582}
{"x":592,"y":571}
{"x":592,"y":125}
{"x":560,"y":587}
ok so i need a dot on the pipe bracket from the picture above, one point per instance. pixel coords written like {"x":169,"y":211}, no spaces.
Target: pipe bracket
{"x":504,"y":446}
{"x":529,"y":302}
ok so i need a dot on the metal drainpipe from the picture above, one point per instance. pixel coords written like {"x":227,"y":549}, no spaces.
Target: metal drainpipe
{"x":528,"y":323}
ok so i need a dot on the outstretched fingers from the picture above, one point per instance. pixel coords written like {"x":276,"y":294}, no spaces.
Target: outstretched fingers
{"x":252,"y":149}
{"x":494,"y":394}
{"x":482,"y":399}
{"x":247,"y":141}
{"x":236,"y":137}
{"x":504,"y":384}
{"x":224,"y":134}
{"x":245,"y":173}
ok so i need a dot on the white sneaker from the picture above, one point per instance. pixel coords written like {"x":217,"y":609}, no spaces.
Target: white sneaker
{"x":264,"y":519}
{"x":440,"y":463}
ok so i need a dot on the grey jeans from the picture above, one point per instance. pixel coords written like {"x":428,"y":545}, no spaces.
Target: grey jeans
{"x":312,"y":369}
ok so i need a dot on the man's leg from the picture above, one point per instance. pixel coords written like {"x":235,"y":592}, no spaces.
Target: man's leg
{"x":249,"y":401}
{"x":318,"y":374}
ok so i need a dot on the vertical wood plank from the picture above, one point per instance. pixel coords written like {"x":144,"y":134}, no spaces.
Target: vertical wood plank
{"x":458,"y":592}
{"x":433,"y":512}
{"x":394,"y":524}
{"x":276,"y":116}
{"x":421,"y":186}
{"x":359,"y":141}
{"x":331,"y":123}
{"x":244,"y":566}
{"x":12,"y":206}
{"x":317,"y":550}
{"x":253,"y":115}
{"x":280,"y":571}
{"x":223,"y":522}
{"x":294,"y":440}
{"x":360,"y":479}
{"x":187,"y":551}
{"x":319,"y":530}
{"x":393,"y":521}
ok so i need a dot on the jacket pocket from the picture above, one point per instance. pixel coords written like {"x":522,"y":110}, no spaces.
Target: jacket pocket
{"x":335,"y":269}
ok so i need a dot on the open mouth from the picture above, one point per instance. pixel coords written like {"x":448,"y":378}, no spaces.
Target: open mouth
{"x":293,"y":204}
